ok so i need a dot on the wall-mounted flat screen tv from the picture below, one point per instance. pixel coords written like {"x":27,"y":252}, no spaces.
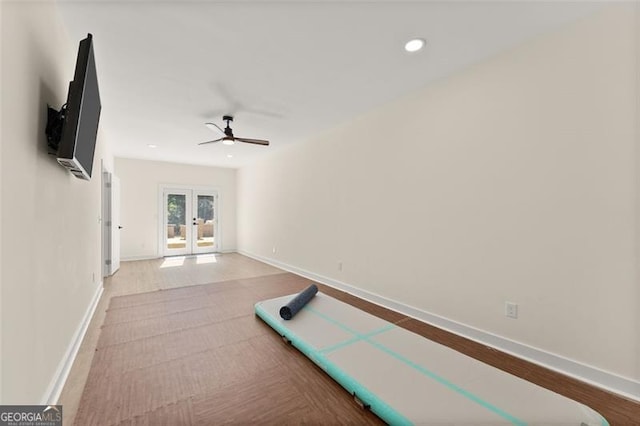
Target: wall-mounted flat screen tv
{"x":80,"y":127}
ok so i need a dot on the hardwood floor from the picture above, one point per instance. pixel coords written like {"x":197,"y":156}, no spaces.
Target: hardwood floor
{"x":210,"y":336}
{"x":200,"y":353}
{"x":146,"y":276}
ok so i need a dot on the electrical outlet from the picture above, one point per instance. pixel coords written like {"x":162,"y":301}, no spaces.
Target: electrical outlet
{"x":511,"y":310}
{"x":274,"y":249}
{"x":339,"y":266}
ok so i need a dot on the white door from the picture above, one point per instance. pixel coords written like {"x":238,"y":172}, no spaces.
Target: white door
{"x":189,"y":221}
{"x":177,"y":215}
{"x":203,"y":222}
{"x":115,"y":224}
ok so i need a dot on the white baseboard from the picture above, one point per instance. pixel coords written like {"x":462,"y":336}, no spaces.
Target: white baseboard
{"x":155,"y":256}
{"x":60,"y":377}
{"x":133,"y":258}
{"x":621,"y":385}
{"x":228,"y":251}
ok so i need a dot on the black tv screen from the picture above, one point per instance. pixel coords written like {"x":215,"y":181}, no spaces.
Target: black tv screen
{"x":80,"y":128}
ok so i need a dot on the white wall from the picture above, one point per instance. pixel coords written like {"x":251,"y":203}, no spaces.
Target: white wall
{"x":140,"y":181}
{"x":514,"y":180}
{"x":50,"y":246}
{"x":1,"y":80}
{"x":637,"y":138}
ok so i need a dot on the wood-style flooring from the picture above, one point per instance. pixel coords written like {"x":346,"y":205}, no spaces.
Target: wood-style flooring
{"x":145,"y":276}
{"x":196,"y":354}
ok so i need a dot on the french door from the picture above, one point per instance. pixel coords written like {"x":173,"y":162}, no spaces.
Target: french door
{"x":190,"y":221}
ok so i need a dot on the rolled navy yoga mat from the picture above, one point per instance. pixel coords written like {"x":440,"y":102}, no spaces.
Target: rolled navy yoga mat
{"x":289,"y":310}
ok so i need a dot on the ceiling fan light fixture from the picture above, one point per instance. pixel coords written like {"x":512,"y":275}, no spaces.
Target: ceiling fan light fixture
{"x":227,"y":135}
{"x":414,"y":45}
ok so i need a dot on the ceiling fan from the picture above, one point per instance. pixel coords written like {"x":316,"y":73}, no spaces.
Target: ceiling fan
{"x":228,"y":138}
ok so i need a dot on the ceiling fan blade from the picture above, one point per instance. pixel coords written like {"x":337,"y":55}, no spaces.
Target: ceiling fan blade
{"x":253,"y":141}
{"x":217,"y":140}
{"x":214,"y":127}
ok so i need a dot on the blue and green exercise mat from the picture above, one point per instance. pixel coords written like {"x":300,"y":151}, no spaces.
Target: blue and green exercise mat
{"x":423,"y":382}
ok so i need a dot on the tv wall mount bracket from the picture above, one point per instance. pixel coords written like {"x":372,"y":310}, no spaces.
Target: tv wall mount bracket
{"x":55,"y":121}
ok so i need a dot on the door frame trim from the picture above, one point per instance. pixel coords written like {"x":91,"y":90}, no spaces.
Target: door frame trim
{"x":181,"y":187}
{"x":105,"y":218}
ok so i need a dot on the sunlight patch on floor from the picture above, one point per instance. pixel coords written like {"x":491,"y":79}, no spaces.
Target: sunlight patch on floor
{"x":171,"y":262}
{"x":203,"y":259}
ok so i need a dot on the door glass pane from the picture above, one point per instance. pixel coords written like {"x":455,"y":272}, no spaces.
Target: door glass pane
{"x":176,"y":221}
{"x":205,"y":221}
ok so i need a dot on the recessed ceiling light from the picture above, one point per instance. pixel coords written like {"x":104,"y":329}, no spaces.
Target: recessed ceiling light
{"x":152,"y":145}
{"x":414,"y":45}
{"x":229,"y":155}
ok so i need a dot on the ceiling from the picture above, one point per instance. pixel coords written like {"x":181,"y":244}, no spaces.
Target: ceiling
{"x":286,"y":70}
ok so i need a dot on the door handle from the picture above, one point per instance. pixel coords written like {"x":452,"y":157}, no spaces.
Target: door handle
{"x":119,"y":227}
